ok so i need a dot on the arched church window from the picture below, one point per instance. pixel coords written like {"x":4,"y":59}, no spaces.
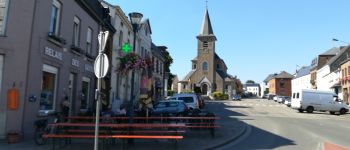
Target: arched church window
{"x":205,"y":65}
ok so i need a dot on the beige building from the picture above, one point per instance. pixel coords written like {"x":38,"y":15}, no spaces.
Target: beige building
{"x":209,"y":71}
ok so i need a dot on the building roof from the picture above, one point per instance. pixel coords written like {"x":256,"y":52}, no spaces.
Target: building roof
{"x":185,"y":79}
{"x":268,"y":78}
{"x":332,"y":51}
{"x":303,"y":71}
{"x":283,"y":75}
{"x":336,"y":61}
{"x":206,"y":28}
{"x":222,"y":74}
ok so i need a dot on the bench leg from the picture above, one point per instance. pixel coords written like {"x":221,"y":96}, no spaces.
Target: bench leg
{"x":52,"y":147}
{"x":175,"y":144}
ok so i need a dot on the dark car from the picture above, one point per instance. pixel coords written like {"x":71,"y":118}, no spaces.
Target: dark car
{"x":236,"y":97}
{"x":170,"y":107}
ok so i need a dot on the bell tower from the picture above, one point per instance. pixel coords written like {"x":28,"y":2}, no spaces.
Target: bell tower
{"x":206,"y":49}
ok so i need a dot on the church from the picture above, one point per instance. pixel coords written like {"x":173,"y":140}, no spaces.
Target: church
{"x":209,"y":71}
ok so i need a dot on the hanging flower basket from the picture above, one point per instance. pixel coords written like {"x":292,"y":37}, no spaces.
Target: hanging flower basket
{"x":133,"y":61}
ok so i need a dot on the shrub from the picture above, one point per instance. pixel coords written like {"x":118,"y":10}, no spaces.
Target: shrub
{"x":187,"y":91}
{"x":217,"y":95}
{"x":170,"y":92}
{"x":224,"y":96}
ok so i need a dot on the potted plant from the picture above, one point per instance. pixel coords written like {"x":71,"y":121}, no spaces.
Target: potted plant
{"x":13,"y":137}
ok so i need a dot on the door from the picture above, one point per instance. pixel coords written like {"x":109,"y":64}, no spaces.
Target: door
{"x":72,"y":91}
{"x":204,"y":89}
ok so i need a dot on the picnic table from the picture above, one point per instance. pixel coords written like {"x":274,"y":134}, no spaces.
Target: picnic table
{"x":145,"y":131}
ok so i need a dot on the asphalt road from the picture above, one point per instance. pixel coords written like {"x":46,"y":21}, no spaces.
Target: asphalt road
{"x":276,"y":126}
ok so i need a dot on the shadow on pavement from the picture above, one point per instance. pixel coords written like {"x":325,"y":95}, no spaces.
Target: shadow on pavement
{"x":262,"y":139}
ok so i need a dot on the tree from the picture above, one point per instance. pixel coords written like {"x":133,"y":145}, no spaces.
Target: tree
{"x":250,"y":81}
{"x":167,"y":63}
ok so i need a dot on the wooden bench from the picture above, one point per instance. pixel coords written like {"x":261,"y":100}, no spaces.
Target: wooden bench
{"x":191,"y":122}
{"x":111,"y":133}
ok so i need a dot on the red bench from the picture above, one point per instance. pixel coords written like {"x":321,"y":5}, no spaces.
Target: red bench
{"x":111,"y":133}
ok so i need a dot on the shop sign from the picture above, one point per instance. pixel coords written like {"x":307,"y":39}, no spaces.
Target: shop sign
{"x":75,"y":62}
{"x":55,"y":54}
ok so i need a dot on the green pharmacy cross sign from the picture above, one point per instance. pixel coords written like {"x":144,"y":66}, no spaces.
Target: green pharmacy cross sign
{"x":126,"y":48}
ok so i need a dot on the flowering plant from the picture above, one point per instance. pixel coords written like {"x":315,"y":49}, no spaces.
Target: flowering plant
{"x":133,"y":61}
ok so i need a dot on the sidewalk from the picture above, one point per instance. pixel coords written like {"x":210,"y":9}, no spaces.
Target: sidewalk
{"x":231,"y":129}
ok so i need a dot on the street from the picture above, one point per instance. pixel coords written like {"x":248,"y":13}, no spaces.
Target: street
{"x":276,"y":126}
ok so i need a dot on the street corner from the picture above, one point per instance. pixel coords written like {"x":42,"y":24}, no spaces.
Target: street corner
{"x":235,"y":135}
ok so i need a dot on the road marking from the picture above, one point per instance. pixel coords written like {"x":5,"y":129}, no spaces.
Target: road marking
{"x":331,"y":146}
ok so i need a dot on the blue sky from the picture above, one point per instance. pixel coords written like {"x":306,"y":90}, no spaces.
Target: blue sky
{"x":255,"y":37}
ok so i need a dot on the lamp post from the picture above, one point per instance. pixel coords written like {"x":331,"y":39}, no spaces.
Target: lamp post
{"x":337,"y":40}
{"x":135,"y":19}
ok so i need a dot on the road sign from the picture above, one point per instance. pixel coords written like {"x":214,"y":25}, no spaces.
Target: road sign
{"x":102,"y":39}
{"x":101,"y":65}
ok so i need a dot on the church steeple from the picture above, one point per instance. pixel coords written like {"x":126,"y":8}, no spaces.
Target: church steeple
{"x":206,"y":25}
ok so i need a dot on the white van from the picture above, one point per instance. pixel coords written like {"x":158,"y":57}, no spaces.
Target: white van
{"x":191,"y":100}
{"x":314,"y":100}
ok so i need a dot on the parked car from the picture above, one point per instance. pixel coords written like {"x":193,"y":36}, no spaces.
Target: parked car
{"x":281,"y":99}
{"x":315,"y":100}
{"x":190,"y":99}
{"x":271,"y":97}
{"x":275,"y":98}
{"x":173,"y":107}
{"x":265,"y":96}
{"x":236,"y":97}
{"x":288,"y":101}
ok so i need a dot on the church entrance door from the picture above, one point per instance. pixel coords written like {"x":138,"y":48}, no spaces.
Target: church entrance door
{"x":204,"y":89}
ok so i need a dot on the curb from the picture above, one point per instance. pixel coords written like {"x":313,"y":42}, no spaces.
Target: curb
{"x":229,"y":140}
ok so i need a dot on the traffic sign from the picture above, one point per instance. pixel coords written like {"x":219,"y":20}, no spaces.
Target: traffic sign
{"x":102,"y":39}
{"x":101,"y":66}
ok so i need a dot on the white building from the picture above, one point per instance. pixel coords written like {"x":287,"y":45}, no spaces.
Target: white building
{"x":253,"y":88}
{"x":302,"y":79}
{"x":328,"y":76}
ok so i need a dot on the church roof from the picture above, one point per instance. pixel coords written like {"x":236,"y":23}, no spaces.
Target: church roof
{"x":188,"y":75}
{"x":222,"y":74}
{"x":206,"y":28}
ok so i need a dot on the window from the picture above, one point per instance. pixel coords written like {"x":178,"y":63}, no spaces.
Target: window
{"x":121,"y":38}
{"x":218,"y":66}
{"x":85,"y":92}
{"x":55,"y":18}
{"x":205,"y":44}
{"x":186,"y":99}
{"x":194,"y":66}
{"x":76,"y":31}
{"x":3,"y":15}
{"x":205,"y":66}
{"x":157,"y":66}
{"x":348,"y":70}
{"x":88,"y":41}
{"x":297,"y":95}
{"x":48,"y":88}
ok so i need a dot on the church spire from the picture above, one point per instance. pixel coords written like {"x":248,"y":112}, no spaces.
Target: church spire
{"x":206,"y":28}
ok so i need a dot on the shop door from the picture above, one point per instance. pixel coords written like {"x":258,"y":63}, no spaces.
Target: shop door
{"x":72,"y":91}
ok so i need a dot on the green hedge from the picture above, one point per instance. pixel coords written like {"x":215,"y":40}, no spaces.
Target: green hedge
{"x":220,"y":96}
{"x":170,"y":93}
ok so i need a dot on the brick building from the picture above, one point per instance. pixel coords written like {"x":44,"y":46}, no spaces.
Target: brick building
{"x":281,"y":84}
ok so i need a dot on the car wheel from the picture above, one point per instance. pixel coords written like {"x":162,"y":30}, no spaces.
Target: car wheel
{"x":332,"y":112}
{"x":342,"y":111}
{"x":310,"y":109}
{"x":300,"y":110}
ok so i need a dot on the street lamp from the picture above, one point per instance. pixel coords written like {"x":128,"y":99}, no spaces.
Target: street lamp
{"x":337,"y":40}
{"x":135,"y":19}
